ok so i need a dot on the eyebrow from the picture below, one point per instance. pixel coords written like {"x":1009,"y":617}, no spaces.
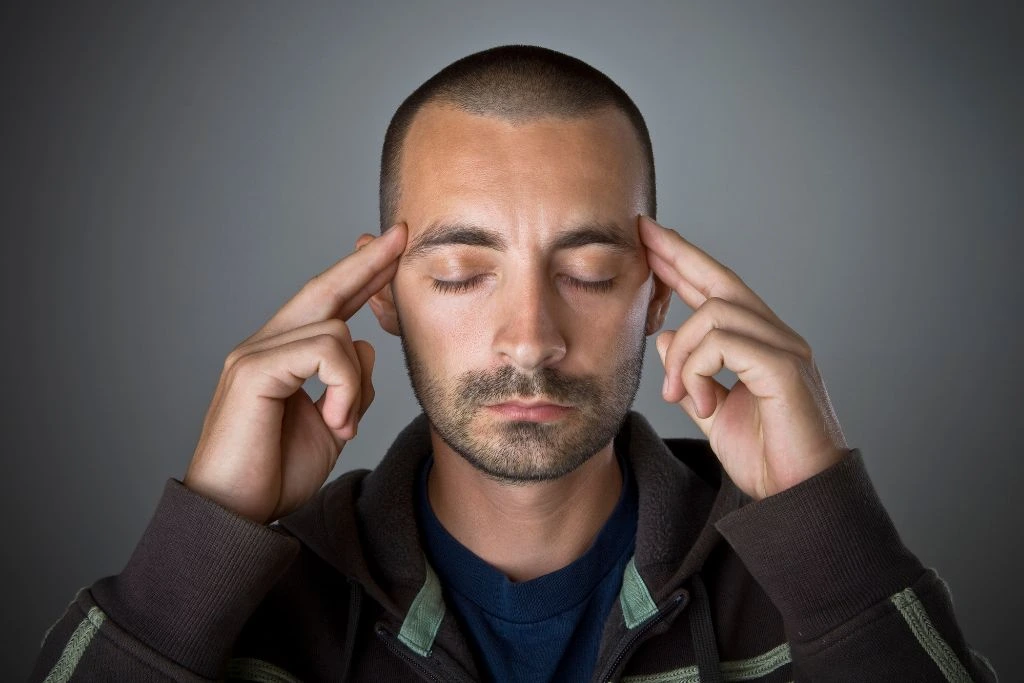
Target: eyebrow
{"x":444,"y":234}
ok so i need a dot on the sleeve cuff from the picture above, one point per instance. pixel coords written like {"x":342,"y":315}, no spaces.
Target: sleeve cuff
{"x":197,"y":574}
{"x":824,"y":550}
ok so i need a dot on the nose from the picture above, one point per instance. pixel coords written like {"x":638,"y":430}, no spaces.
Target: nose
{"x":528,"y":332}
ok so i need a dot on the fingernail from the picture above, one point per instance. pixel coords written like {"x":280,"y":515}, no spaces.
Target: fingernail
{"x":664,"y":387}
{"x":390,"y":230}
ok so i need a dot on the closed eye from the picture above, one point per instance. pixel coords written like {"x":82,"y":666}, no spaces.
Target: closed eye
{"x":461,"y":286}
{"x":456,"y":286}
{"x":591,"y":285}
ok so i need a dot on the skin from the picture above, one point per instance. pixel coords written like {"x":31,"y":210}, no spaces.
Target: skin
{"x":531,"y":184}
{"x":266,"y":447}
{"x":773,"y":429}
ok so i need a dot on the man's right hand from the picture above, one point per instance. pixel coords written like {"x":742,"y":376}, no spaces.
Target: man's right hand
{"x":266,"y":447}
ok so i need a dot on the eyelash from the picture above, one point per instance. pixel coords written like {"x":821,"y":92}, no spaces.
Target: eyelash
{"x":460,"y":286}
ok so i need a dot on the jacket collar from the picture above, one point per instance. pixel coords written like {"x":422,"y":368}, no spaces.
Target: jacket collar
{"x":364,"y":523}
{"x":683,"y":492}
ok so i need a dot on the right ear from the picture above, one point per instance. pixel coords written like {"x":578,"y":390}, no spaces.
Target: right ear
{"x":383,"y":302}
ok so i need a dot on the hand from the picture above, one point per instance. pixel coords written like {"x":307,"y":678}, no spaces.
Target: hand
{"x":266,"y":447}
{"x":776,"y":427}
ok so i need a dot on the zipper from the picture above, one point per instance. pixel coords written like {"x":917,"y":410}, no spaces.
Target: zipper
{"x":414,"y":660}
{"x":637,"y":635}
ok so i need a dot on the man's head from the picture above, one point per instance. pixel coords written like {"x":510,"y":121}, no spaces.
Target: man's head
{"x":519,"y":84}
{"x":520,"y":172}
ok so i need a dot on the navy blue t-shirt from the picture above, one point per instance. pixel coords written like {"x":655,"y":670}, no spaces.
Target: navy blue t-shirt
{"x":547,"y":628}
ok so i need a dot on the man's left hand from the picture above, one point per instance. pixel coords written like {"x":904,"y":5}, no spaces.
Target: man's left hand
{"x":776,"y":426}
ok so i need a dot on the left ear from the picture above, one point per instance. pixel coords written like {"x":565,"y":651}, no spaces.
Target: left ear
{"x":381,"y":303}
{"x":657,"y":308}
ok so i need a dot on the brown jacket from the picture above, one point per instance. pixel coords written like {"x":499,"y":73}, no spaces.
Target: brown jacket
{"x":811,"y":584}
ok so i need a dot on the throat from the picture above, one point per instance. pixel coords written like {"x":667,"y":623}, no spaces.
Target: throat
{"x":524,"y":530}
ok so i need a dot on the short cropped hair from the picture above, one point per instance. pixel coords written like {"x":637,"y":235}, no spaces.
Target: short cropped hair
{"x":515,"y":83}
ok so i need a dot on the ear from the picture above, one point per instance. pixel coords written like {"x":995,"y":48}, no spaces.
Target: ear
{"x":657,"y":308}
{"x":383,"y":302}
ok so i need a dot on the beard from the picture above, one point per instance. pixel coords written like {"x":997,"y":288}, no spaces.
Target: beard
{"x":520,"y":451}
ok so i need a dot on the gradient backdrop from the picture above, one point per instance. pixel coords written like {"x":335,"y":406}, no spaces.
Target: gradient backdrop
{"x":173,"y":172}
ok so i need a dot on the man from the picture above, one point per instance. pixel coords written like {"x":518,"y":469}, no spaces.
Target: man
{"x":528,"y":526}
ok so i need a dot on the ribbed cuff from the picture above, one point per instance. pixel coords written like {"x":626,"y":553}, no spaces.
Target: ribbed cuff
{"x":197,"y":574}
{"x":824,"y":550}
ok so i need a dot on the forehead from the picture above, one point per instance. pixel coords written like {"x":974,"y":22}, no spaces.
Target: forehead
{"x":529,"y":176}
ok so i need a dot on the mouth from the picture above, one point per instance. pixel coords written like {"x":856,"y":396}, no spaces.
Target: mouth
{"x":530,"y":411}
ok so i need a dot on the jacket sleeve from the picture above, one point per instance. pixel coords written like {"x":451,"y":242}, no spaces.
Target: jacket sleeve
{"x":197,"y":574}
{"x":856,"y":603}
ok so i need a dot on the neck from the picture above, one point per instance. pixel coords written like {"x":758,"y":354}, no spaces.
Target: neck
{"x":523,"y":530}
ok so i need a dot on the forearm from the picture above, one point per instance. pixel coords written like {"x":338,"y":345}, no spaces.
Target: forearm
{"x":174,"y":612}
{"x":857,"y":604}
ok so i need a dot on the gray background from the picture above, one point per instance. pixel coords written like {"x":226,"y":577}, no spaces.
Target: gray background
{"x":172,"y":173}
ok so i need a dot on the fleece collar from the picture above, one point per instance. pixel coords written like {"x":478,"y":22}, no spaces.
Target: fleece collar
{"x":364,"y":522}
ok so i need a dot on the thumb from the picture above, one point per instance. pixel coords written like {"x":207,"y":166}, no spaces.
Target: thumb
{"x":367,"y":358}
{"x":662,"y":342}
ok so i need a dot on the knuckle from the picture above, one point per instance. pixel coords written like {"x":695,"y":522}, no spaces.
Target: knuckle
{"x":338,"y":329}
{"x":332,"y":349}
{"x":804,"y":349}
{"x":235,"y":356}
{"x":716,"y":335}
{"x":232,"y":358}
{"x":703,"y":309}
{"x":715,"y":308}
{"x":328,"y":345}
{"x":245,"y":366}
{"x":794,"y":363}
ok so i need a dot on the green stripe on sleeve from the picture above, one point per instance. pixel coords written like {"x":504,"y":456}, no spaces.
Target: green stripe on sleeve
{"x":73,"y":651}
{"x":756,"y":667}
{"x":941,"y":653}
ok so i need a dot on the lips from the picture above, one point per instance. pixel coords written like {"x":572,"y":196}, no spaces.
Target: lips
{"x":530,"y":411}
{"x":530,"y":404}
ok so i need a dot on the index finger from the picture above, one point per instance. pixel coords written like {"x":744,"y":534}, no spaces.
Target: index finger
{"x":694,"y":275}
{"x":342,"y":289}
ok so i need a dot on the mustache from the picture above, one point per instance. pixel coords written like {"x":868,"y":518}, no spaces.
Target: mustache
{"x":507,"y":382}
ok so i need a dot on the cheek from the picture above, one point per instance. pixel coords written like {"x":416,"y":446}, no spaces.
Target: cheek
{"x":608,"y":335}
{"x":616,"y":318}
{"x":636,"y":312}
{"x":446,"y":334}
{"x":634,"y":327}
